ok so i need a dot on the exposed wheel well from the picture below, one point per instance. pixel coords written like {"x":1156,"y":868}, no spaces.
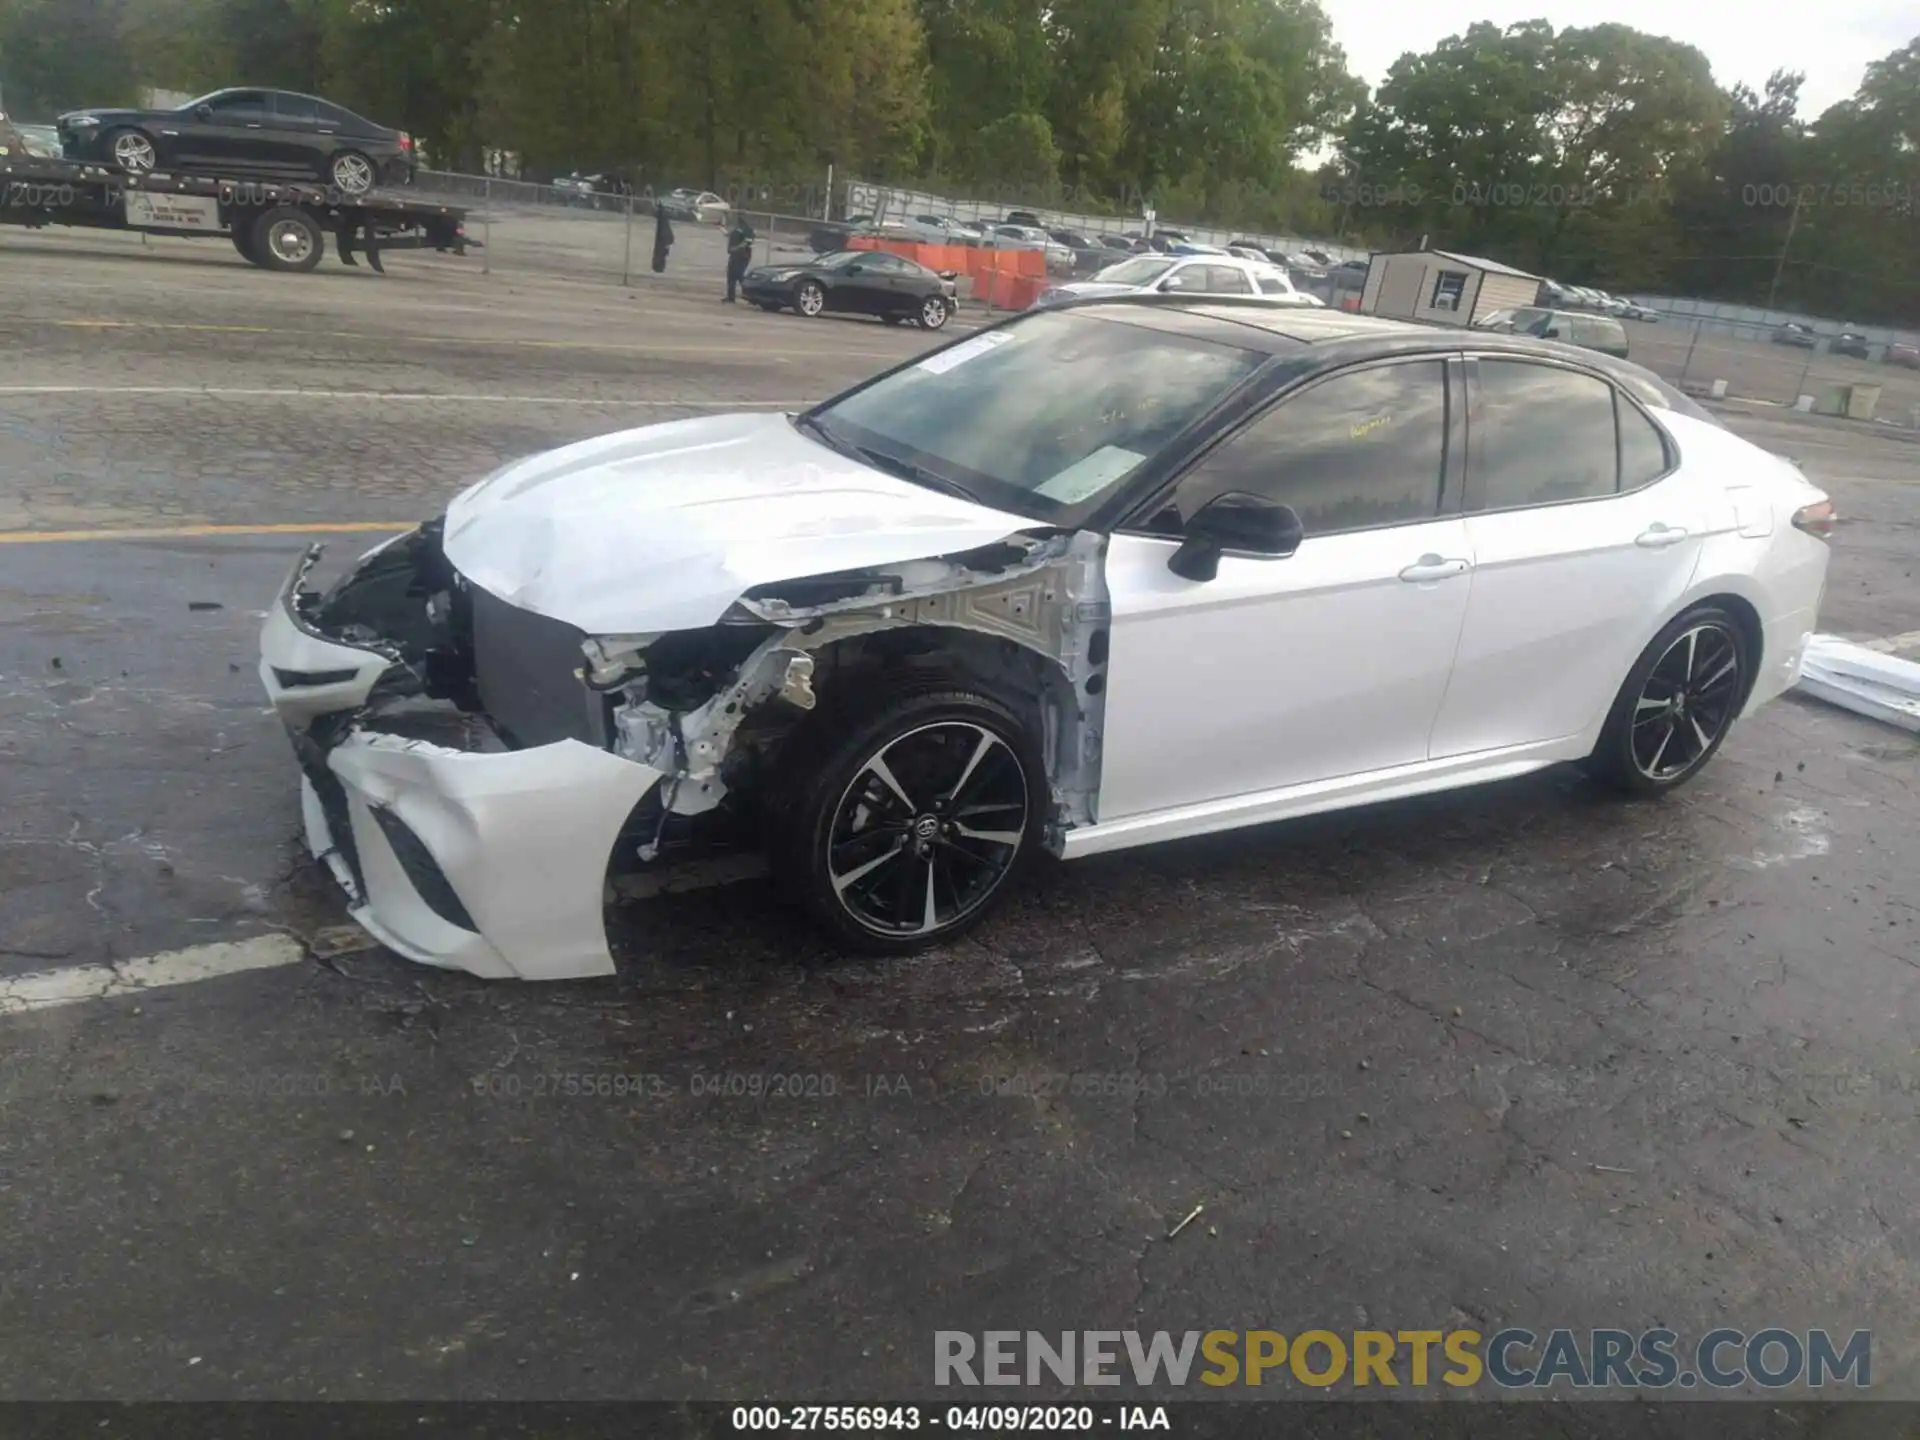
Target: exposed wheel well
{"x":1751,"y":630}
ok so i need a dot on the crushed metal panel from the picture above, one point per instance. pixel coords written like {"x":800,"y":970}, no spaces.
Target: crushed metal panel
{"x":1052,"y":602}
{"x":1880,"y":686}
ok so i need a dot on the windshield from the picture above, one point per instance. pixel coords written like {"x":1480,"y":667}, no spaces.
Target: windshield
{"x":1134,"y":272}
{"x":1047,"y":414}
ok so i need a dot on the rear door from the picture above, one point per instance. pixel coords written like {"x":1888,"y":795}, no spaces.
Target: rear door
{"x":294,"y":133}
{"x":1228,"y":280}
{"x":1583,"y":541}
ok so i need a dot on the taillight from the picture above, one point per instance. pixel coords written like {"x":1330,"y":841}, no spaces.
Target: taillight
{"x":406,"y":141}
{"x":1818,"y":519}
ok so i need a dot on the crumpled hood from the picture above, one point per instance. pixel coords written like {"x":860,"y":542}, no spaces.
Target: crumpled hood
{"x":663,"y":527}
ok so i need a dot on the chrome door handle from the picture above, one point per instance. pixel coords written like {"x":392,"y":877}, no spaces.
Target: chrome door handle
{"x":1658,"y":536}
{"x":1432,"y":567}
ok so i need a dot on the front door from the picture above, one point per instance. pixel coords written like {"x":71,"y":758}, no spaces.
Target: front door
{"x":230,"y":135}
{"x":1328,"y":663}
{"x":1581,"y":551}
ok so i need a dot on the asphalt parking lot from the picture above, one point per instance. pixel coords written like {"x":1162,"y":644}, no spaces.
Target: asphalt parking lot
{"x":1525,"y":1055}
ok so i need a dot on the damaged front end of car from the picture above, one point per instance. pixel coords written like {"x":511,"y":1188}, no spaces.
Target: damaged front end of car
{"x":477,"y":777}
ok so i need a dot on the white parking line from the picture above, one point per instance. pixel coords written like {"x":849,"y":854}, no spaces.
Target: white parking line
{"x":53,"y":988}
{"x":222,"y":393}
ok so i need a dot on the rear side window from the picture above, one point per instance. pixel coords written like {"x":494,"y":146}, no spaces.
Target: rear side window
{"x":1274,"y":285}
{"x":1540,"y":435}
{"x":1643,"y":448}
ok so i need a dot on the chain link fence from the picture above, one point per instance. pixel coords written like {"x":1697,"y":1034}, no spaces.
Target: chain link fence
{"x":1779,"y":358}
{"x":1867,"y":372}
{"x":577,"y":232}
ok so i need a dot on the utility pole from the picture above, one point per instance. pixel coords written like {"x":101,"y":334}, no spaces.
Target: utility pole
{"x":1792,"y":221}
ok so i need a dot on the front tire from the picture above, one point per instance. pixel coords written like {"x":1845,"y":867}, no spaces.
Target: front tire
{"x":934,"y":312}
{"x":906,"y":823}
{"x":810,"y":299}
{"x":1677,"y":705}
{"x":132,"y":150}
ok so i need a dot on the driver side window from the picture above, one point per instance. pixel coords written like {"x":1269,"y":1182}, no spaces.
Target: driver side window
{"x":1357,"y":451}
{"x":239,"y":107}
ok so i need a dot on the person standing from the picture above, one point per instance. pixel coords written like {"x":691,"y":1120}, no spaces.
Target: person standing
{"x":662,"y":238}
{"x":739,"y":255}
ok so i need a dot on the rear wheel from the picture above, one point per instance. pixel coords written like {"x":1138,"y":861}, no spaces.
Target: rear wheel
{"x":132,"y":150}
{"x":810,"y":299}
{"x":287,"y":238}
{"x":907,"y":821}
{"x":1677,"y":705}
{"x":934,"y":312}
{"x":351,"y":173}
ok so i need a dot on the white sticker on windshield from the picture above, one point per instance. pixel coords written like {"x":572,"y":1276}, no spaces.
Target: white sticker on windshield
{"x":967,"y":350}
{"x":1086,"y":478}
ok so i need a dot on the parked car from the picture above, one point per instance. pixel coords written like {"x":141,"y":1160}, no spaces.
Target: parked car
{"x":1224,"y":275}
{"x":829,"y":237}
{"x":1023,"y":217}
{"x":856,"y":282}
{"x":1028,"y":237}
{"x":40,"y":142}
{"x":1602,"y":333}
{"x":1906,"y":356}
{"x":1797,"y":335}
{"x":1088,"y":253}
{"x":943,"y":230}
{"x":578,"y":189}
{"x":909,"y":639}
{"x":1850,"y":342}
{"x":1642,"y":314}
{"x":702,"y":207}
{"x":273,"y":133}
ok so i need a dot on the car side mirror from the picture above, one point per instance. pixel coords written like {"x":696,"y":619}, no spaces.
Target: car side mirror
{"x":1173,"y":282}
{"x":1551,"y":333}
{"x":855,"y":268}
{"x":1251,"y":524}
{"x":203,"y":112}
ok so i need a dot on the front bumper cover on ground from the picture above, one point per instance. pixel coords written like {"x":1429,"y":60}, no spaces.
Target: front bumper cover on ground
{"x":493,"y":862}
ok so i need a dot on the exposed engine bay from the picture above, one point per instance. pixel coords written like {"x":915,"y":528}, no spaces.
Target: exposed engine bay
{"x":687,"y":728}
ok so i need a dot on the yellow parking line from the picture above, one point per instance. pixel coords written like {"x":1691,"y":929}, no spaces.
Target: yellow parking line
{"x":187,"y":532}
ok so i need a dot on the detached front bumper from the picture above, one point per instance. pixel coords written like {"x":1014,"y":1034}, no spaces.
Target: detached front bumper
{"x":490,"y":861}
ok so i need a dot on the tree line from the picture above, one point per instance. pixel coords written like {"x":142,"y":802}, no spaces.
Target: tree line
{"x":1599,"y":155}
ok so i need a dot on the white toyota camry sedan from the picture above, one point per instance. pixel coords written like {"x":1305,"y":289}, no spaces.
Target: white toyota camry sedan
{"x":1111,"y":573}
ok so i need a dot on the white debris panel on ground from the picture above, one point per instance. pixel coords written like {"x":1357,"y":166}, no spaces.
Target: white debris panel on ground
{"x":1864,"y":680}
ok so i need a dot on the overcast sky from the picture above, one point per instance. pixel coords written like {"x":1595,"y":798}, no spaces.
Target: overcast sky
{"x":1832,"y":43}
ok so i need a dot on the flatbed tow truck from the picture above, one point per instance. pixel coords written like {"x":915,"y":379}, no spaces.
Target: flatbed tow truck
{"x":275,"y":224}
